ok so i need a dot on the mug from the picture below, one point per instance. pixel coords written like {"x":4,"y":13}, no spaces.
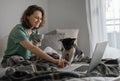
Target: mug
{"x":38,"y":37}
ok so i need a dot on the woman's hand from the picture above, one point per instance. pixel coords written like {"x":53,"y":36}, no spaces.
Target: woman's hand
{"x":37,"y":38}
{"x":62,"y":62}
{"x":36,"y":43}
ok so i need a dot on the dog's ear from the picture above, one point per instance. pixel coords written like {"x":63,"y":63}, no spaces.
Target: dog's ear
{"x":73,"y":39}
{"x":67,"y":39}
{"x":60,"y":40}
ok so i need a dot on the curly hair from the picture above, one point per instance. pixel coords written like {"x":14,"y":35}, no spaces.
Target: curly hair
{"x":28,"y":12}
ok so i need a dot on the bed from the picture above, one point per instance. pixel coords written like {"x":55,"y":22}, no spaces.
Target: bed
{"x":52,"y":40}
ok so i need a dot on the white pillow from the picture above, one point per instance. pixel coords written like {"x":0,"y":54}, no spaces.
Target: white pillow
{"x":69,"y":33}
{"x":52,"y":40}
{"x":3,"y":45}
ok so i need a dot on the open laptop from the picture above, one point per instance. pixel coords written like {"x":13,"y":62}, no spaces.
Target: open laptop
{"x":87,"y":68}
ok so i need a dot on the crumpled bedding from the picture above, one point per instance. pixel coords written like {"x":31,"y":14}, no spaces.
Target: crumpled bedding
{"x":2,"y":70}
{"x":93,"y":79}
{"x":84,"y":78}
{"x":108,"y":71}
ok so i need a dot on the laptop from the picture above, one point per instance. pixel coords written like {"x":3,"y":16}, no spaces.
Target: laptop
{"x":87,"y":68}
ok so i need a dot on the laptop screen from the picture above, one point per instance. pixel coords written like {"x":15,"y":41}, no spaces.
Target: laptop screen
{"x":97,"y":55}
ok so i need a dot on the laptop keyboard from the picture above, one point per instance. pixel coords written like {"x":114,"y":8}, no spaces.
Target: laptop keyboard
{"x":82,"y":68}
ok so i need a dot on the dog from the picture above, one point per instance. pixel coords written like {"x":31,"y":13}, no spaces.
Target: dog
{"x":70,"y":51}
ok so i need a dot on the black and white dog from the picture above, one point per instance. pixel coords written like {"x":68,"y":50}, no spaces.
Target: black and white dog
{"x":70,"y":51}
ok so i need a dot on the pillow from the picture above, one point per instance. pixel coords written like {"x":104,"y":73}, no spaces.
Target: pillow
{"x":3,"y":45}
{"x":52,"y":40}
{"x":52,"y":32}
{"x":68,"y":33}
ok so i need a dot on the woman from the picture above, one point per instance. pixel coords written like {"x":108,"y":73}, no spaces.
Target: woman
{"x":20,"y":43}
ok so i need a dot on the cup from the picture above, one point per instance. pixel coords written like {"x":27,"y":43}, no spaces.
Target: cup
{"x":38,"y":37}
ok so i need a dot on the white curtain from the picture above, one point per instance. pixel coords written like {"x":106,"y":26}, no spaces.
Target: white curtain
{"x":95,"y":20}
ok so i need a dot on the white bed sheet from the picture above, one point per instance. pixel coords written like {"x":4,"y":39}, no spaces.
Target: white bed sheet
{"x":96,"y":79}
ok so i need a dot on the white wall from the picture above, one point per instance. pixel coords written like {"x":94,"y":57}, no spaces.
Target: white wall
{"x":70,"y":14}
{"x":10,"y":14}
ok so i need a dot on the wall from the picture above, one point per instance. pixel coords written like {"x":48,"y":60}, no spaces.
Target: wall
{"x":70,"y":14}
{"x":10,"y":13}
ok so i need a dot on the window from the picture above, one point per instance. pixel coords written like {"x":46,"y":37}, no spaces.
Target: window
{"x":103,"y":19}
{"x":112,"y":18}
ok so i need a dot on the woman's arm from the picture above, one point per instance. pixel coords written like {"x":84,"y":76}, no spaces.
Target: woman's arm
{"x":37,"y":51}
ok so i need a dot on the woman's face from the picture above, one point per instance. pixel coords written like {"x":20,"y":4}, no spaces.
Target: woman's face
{"x":35,"y":19}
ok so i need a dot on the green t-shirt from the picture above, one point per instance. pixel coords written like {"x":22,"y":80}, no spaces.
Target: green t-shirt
{"x":18,"y":33}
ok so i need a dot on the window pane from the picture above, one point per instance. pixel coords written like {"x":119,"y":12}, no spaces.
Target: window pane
{"x":113,"y":22}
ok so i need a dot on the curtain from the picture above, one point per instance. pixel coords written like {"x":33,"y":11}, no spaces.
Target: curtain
{"x":95,"y":21}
